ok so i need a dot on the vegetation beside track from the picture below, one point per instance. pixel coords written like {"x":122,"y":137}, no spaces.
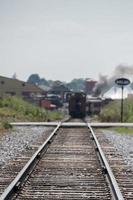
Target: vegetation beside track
{"x":120,"y":130}
{"x":13,"y":109}
{"x":123,"y":130}
{"x":112,"y":111}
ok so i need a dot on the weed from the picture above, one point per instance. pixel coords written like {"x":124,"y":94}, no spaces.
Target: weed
{"x":6,"y":125}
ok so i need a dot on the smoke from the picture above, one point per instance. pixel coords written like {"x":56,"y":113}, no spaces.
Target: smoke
{"x":123,"y":70}
{"x":105,"y":83}
{"x":101,"y":85}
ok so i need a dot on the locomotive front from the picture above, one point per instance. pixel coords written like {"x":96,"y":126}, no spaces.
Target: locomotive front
{"x":77,"y":105}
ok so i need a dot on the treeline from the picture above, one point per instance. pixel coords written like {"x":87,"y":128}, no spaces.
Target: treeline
{"x":75,"y":84}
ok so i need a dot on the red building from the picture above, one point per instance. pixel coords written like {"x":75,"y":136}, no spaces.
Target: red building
{"x":89,"y":86}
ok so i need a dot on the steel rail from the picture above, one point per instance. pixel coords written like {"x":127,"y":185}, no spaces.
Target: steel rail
{"x":16,"y":183}
{"x":34,"y":123}
{"x":111,"y":178}
{"x":66,"y":123}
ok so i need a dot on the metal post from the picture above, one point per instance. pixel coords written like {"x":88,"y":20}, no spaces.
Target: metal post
{"x":122,"y":88}
{"x":122,"y":82}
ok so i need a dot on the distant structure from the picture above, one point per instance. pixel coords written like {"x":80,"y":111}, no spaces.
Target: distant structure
{"x":115,"y":92}
{"x":89,"y":86}
{"x":59,"y":89}
{"x":15,"y":87}
{"x":14,"y":76}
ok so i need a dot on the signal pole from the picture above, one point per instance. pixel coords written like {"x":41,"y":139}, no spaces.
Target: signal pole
{"x":122,"y":88}
{"x":122,"y":82}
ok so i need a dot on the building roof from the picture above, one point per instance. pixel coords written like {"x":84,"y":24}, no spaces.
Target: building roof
{"x":116,"y":92}
{"x":9,"y":84}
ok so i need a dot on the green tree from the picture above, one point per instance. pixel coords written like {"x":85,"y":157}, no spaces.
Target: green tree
{"x":34,"y":79}
{"x":77,"y":85}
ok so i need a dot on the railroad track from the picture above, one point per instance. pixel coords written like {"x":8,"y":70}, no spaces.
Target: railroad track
{"x":123,"y":174}
{"x":69,"y":165}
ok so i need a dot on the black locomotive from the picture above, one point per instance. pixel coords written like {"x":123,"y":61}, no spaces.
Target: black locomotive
{"x":80,"y":105}
{"x":77,"y":105}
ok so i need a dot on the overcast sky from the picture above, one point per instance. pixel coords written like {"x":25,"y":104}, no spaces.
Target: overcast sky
{"x":65,"y":39}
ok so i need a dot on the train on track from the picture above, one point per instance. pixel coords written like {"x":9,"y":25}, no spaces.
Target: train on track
{"x":80,"y":105}
{"x":77,"y":105}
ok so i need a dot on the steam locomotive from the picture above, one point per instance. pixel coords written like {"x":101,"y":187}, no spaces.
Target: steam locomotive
{"x":80,"y":106}
{"x":77,"y":105}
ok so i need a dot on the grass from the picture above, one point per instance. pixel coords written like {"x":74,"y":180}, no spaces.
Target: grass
{"x":6,"y":125}
{"x":112,"y":111}
{"x":13,"y":109}
{"x":123,"y":130}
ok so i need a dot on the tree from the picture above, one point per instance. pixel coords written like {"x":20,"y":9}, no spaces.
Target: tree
{"x":34,"y":79}
{"x":77,"y":85}
{"x":43,"y":81}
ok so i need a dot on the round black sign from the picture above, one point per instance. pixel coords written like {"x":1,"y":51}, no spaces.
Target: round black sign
{"x":122,"y":81}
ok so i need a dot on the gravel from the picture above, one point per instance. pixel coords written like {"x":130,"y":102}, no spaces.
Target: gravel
{"x":15,"y":141}
{"x":123,"y":144}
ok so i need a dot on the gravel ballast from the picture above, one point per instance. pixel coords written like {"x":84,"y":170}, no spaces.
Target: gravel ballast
{"x":123,"y":144}
{"x":20,"y":138}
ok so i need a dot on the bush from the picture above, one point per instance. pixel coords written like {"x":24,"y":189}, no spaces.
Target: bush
{"x":17,"y":109}
{"x":6,"y":125}
{"x":112,"y":111}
